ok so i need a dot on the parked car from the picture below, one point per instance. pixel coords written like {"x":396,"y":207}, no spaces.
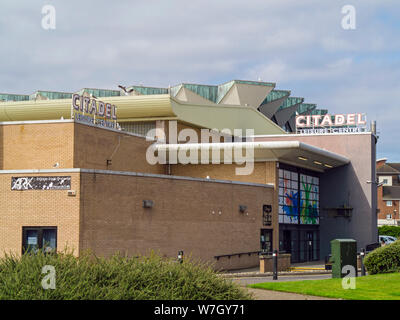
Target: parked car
{"x":387,"y":239}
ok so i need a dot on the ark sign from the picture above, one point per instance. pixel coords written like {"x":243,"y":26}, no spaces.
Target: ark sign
{"x":339,"y":123}
{"x":89,"y":110}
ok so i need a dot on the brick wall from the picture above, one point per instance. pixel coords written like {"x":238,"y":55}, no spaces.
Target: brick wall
{"x":42,"y":145}
{"x":36,"y":146}
{"x":94,"y":146}
{"x":384,"y":210}
{"x":203,"y":219}
{"x":38,"y":208}
{"x":264,"y":173}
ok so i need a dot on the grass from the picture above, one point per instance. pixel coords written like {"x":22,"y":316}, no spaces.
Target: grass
{"x":374,"y":287}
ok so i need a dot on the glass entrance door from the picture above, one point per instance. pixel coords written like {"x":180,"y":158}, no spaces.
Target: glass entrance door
{"x":287,"y":241}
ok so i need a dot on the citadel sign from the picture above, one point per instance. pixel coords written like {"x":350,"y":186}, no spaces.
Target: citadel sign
{"x":339,"y":123}
{"x":89,"y":110}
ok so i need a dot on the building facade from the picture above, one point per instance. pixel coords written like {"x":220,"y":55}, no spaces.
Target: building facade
{"x":388,"y":175}
{"x":75,"y":184}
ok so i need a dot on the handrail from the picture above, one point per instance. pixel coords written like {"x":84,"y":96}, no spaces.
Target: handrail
{"x":248,"y":253}
{"x":236,"y":254}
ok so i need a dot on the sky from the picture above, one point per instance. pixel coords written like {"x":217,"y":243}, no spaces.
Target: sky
{"x":299,"y":45}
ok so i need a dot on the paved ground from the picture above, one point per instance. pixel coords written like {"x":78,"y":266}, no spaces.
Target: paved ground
{"x":259,"y":294}
{"x":252,"y":280}
{"x":312,"y":264}
{"x":309,"y":264}
{"x":251,"y":276}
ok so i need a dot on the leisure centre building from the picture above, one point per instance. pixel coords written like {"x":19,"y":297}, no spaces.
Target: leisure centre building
{"x":90,"y":185}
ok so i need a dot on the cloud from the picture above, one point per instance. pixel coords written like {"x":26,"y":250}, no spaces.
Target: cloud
{"x":300,"y":45}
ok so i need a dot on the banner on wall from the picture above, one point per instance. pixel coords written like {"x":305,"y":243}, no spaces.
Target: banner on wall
{"x":41,"y":183}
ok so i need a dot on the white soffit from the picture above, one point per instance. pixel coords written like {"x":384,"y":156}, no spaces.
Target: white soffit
{"x":292,"y":152}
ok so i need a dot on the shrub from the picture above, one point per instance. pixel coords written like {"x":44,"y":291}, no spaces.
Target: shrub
{"x":385,"y":259}
{"x":90,"y":278}
{"x":393,"y":231}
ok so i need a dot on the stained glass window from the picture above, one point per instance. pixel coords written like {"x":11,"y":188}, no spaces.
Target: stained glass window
{"x":298,"y":198}
{"x":309,"y":199}
{"x":288,"y":197}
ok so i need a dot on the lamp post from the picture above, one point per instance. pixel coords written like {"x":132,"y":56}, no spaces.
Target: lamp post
{"x":275,"y":262}
{"x":362,"y":254}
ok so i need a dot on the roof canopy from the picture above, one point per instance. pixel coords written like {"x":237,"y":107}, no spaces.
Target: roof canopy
{"x":275,"y":105}
{"x":291,"y":152}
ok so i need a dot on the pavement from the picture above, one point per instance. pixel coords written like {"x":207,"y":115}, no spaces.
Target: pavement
{"x":297,"y":269}
{"x":260,"y":294}
{"x":314,"y":270}
{"x":244,"y":281}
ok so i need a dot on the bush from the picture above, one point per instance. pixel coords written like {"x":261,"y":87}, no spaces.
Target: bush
{"x":90,"y":278}
{"x":393,"y":231}
{"x":385,"y":259}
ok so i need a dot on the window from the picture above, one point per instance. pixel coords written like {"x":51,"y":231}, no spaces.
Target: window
{"x":389,"y":203}
{"x":388,"y":216}
{"x":298,"y":198}
{"x":266,"y":240}
{"x":386,"y":180}
{"x":39,"y":238}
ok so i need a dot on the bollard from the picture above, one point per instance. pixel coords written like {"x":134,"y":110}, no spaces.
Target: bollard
{"x":275,"y":262}
{"x":362,"y":254}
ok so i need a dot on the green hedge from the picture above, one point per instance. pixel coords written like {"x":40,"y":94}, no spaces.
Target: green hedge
{"x":393,"y":231}
{"x":90,"y":278}
{"x":385,"y":259}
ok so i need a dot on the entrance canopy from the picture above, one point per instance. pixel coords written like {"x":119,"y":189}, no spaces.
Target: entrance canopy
{"x":291,"y":152}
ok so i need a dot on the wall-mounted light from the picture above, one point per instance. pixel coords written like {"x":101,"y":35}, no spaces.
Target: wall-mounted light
{"x":302,"y":158}
{"x":242,"y":208}
{"x":148,"y":203}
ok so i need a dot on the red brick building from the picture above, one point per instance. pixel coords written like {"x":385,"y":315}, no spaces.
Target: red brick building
{"x":388,"y":192}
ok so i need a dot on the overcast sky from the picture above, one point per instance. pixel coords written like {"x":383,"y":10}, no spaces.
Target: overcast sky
{"x":300,"y":45}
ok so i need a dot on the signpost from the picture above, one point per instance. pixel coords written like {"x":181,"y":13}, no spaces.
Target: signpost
{"x":339,"y":123}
